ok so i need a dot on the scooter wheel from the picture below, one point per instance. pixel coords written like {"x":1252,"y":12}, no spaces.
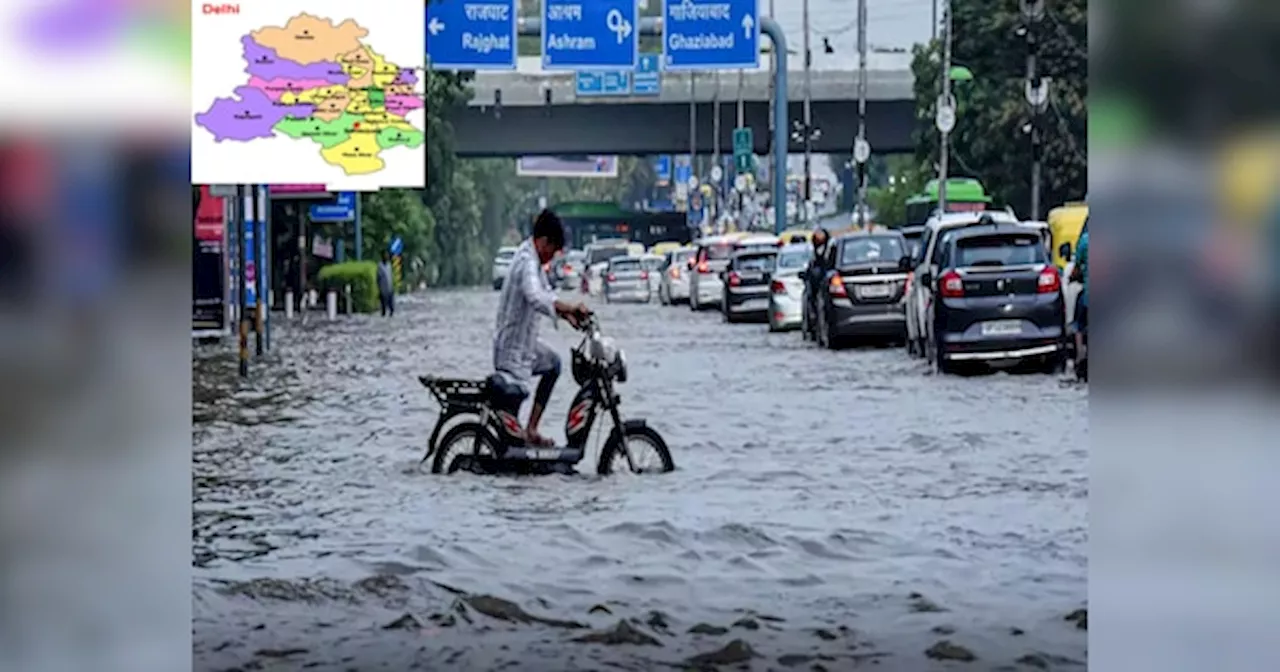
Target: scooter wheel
{"x":640,"y":434}
{"x":458,"y":442}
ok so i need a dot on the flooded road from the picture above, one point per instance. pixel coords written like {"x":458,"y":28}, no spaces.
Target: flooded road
{"x":830,"y":510}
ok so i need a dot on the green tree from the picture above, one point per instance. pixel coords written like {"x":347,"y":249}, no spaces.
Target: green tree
{"x":989,"y":141}
{"x":399,"y":213}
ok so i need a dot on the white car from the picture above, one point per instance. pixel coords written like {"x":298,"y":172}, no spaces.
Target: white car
{"x":710,"y":258}
{"x":786,"y":291}
{"x":502,"y":265}
{"x":652,"y":265}
{"x":919,"y":282}
{"x":673,"y":286}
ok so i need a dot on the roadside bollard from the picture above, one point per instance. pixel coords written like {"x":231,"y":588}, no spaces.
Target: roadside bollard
{"x":313,"y":299}
{"x":288,"y":304}
{"x":331,"y":304}
{"x":346,"y":298}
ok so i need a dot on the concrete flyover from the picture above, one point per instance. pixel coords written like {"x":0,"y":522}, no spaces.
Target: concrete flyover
{"x":509,"y":114}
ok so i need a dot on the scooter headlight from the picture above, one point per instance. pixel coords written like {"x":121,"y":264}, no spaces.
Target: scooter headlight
{"x":603,"y":350}
{"x":620,"y":367}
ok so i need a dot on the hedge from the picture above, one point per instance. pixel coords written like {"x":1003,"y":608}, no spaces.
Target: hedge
{"x":361,"y":276}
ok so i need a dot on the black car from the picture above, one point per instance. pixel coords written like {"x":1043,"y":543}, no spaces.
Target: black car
{"x":863,"y":295}
{"x":746,"y":285}
{"x":998,"y":300}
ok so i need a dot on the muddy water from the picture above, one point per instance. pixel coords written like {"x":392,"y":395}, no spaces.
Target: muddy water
{"x":829,"y":508}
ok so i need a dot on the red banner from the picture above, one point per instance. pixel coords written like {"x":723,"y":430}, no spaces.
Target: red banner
{"x":210,"y":217}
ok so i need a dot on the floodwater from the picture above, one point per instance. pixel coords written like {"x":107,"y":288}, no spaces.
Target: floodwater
{"x":829,"y":511}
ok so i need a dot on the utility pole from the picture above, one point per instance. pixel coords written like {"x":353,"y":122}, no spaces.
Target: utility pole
{"x":808,"y":117}
{"x":259,"y":266}
{"x":242,"y":285}
{"x":861,"y":151}
{"x":945,"y":118}
{"x":1036,"y":91}
{"x":934,"y":24}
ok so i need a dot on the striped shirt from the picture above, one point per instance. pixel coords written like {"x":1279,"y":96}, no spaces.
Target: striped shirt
{"x":526,"y":294}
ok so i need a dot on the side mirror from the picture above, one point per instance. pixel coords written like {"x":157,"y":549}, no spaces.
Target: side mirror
{"x":926,"y":278}
{"x":904,"y":264}
{"x":1064,"y":251}
{"x":722,"y":275}
{"x":689,"y":264}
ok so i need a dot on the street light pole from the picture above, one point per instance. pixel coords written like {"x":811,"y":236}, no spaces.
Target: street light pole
{"x":1036,"y":93}
{"x":773,"y":110}
{"x":808,"y":117}
{"x":862,"y":111}
{"x":945,"y":100}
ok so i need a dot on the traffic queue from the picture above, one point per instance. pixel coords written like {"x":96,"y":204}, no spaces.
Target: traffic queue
{"x":967,"y":291}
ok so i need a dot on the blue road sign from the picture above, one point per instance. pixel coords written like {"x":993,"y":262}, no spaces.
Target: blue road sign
{"x":710,"y":34}
{"x":471,"y":35}
{"x":397,"y":245}
{"x":603,"y":83}
{"x":648,"y":77}
{"x":590,"y":34}
{"x":662,"y":168}
{"x":342,"y":209}
{"x":684,"y":170}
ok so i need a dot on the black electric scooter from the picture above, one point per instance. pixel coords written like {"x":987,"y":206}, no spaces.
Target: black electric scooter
{"x":491,"y":440}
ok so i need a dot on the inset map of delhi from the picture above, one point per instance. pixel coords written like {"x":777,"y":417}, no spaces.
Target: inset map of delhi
{"x":316,"y":97}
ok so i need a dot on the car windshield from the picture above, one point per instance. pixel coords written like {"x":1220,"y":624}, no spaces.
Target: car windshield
{"x":1000,"y":250}
{"x":575,"y":256}
{"x":682,"y":256}
{"x":506,"y":255}
{"x":793,"y":260}
{"x":651,"y":263}
{"x":869,"y":249}
{"x":754,"y":262}
{"x":600,"y":254}
{"x":624,"y":265}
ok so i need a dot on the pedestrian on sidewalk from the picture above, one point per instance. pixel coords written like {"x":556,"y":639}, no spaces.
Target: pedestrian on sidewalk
{"x":386,"y":286}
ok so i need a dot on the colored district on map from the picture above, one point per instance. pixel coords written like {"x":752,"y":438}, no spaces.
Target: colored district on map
{"x":312,"y":80}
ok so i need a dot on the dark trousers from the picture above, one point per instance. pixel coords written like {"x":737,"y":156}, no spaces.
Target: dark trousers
{"x":388,"y":304}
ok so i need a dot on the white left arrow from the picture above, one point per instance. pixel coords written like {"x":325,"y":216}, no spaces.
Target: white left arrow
{"x":435,"y":26}
{"x":747,"y":24}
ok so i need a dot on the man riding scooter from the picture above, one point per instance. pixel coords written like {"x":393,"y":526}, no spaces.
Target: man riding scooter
{"x":526,"y":296}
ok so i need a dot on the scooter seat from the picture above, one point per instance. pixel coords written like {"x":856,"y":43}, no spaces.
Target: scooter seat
{"x":503,"y":394}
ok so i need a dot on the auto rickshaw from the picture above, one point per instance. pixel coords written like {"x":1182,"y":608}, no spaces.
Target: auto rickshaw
{"x":1065,"y":224}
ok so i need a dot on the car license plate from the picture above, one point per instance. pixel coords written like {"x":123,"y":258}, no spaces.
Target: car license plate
{"x":755,"y":304}
{"x":1002,"y":328}
{"x":874,"y":291}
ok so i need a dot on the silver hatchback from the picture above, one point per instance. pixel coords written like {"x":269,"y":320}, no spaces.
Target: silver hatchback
{"x":625,"y":279}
